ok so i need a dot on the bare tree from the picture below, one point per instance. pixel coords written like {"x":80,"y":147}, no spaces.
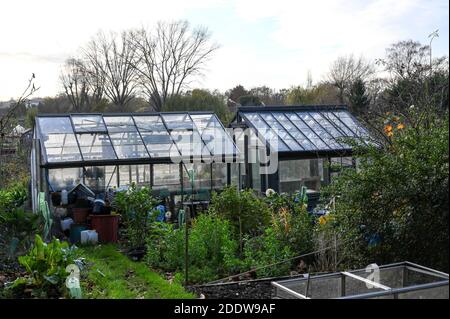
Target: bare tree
{"x":75,"y":83}
{"x":109,"y":64}
{"x":346,"y":70}
{"x":5,"y":121}
{"x":168,"y":58}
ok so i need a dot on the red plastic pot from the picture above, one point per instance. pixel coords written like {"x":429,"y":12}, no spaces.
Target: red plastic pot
{"x":80,"y":215}
{"x":107,"y":227}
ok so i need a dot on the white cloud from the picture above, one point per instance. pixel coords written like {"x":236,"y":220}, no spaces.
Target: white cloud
{"x":36,"y":36}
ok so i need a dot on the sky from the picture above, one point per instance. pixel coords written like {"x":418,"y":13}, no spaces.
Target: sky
{"x":262,"y":42}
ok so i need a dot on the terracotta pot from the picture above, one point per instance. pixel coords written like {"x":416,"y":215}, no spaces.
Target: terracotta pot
{"x":80,"y":215}
{"x":107,"y":227}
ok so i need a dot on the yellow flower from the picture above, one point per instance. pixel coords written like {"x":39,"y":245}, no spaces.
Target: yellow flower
{"x":388,"y":128}
{"x":400,"y":126}
{"x":322,"y":220}
{"x":390,"y":134}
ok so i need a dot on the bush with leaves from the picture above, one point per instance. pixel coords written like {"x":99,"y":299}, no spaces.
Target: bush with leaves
{"x":395,"y":206}
{"x":291,"y":221}
{"x":210,"y":238}
{"x":266,"y":250}
{"x":45,"y":265}
{"x":138,"y":209}
{"x":17,"y":225}
{"x":247,"y":213}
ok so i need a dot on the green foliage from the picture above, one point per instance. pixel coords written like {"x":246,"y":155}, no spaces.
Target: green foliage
{"x":17,"y":226}
{"x":111,"y":275}
{"x":265,"y":250}
{"x":291,"y":222}
{"x":249,"y":100}
{"x":14,"y":196}
{"x":322,"y":93}
{"x":395,"y":206}
{"x":137,"y":207}
{"x":199,"y":100}
{"x":45,"y":265}
{"x":247,"y":213}
{"x":30,"y":116}
{"x":210,"y":238}
{"x":358,"y":98}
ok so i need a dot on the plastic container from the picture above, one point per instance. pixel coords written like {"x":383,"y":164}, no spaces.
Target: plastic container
{"x":107,"y":227}
{"x":89,"y":237}
{"x":65,"y":223}
{"x":75,"y":232}
{"x":80,"y":214}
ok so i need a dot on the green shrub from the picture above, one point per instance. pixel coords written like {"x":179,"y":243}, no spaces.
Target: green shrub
{"x":247,"y":213}
{"x":137,"y":207}
{"x":45,"y":265}
{"x":13,"y":197}
{"x":395,"y":206}
{"x":210,"y":239}
{"x":265,"y":250}
{"x":292,"y":223}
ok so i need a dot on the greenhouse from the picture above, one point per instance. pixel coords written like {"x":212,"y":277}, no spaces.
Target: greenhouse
{"x":310,"y":142}
{"x":173,"y":153}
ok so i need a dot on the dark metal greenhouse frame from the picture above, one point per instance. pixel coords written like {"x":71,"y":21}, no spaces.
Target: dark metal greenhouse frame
{"x":272,"y":181}
{"x":41,"y":164}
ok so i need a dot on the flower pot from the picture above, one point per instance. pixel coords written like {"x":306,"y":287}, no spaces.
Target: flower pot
{"x":80,"y":215}
{"x":107,"y":227}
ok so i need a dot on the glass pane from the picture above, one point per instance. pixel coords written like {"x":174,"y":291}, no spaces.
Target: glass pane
{"x":307,"y":131}
{"x":95,"y":146}
{"x":149,"y":123}
{"x":178,"y":121}
{"x":330,"y":116}
{"x":202,"y":177}
{"x":265,"y":131}
{"x":88,"y":123}
{"x":311,"y":120}
{"x":213,"y":134}
{"x":138,"y":174}
{"x":190,"y":143}
{"x":348,"y":120}
{"x":297,"y":173}
{"x":65,"y":178}
{"x":111,"y":177}
{"x":294,"y":131}
{"x":94,"y":178}
{"x":280,"y":130}
{"x":219,"y":175}
{"x":332,"y":133}
{"x":61,"y":147}
{"x":55,"y":124}
{"x":159,"y":144}
{"x":166,"y":176}
{"x":128,"y":145}
{"x":120,"y":124}
{"x":156,"y":137}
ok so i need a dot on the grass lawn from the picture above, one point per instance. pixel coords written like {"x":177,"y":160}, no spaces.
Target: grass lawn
{"x":111,"y":274}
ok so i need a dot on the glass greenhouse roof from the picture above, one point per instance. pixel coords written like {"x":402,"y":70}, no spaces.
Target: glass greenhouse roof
{"x":304,"y":128}
{"x":141,"y":137}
